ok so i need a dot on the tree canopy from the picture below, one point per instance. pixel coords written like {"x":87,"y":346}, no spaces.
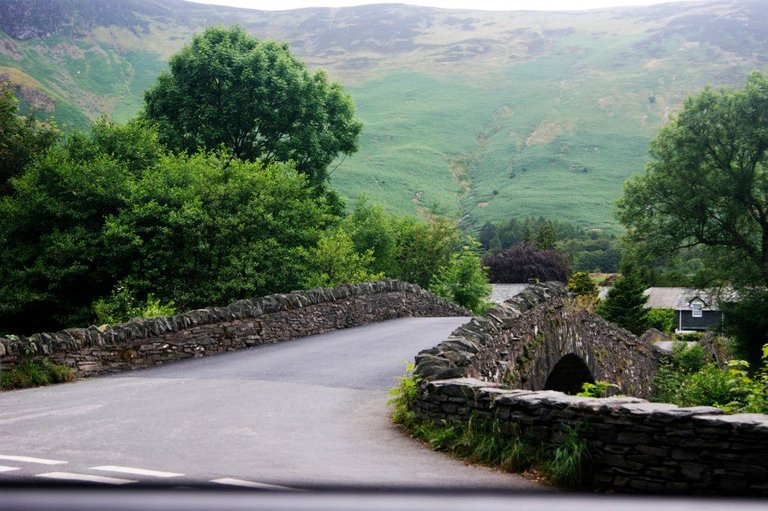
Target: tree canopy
{"x":624,"y":304}
{"x":255,"y":99}
{"x":108,"y":217}
{"x":522,"y":262}
{"x":21,"y":139}
{"x":707,"y":184}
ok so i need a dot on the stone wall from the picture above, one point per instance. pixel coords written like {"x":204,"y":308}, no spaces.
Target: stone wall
{"x":636,"y":446}
{"x":521,"y":341}
{"x":142,"y":343}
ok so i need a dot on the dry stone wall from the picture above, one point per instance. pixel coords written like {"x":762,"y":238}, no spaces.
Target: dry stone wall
{"x":636,"y":446}
{"x":497,"y":367}
{"x":143,"y":343}
{"x":521,"y":341}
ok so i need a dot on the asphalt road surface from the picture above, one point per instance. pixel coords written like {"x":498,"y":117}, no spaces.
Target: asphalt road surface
{"x":307,"y":412}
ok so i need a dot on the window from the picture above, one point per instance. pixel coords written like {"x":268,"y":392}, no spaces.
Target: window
{"x":696,"y":309}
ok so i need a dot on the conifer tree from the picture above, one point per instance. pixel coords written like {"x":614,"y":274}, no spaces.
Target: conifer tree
{"x":624,"y":304}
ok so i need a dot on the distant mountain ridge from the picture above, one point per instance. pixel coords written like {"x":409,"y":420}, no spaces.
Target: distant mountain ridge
{"x":487,"y":114}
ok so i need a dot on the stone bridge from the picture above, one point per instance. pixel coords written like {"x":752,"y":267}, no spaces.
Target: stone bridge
{"x":245,"y":323}
{"x":543,"y":340}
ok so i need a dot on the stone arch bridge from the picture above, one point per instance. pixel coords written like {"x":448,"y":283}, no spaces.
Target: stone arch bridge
{"x":543,"y":340}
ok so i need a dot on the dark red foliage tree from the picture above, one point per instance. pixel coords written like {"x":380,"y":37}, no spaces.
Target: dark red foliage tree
{"x":522,"y":262}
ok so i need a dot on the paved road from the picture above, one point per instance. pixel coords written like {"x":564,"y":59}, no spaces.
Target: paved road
{"x":306,"y":412}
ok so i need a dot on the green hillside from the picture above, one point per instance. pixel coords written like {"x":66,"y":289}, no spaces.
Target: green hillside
{"x":488,"y":115}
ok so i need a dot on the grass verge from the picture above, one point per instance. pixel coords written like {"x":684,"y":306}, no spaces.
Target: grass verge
{"x":35,"y":373}
{"x":564,"y":461}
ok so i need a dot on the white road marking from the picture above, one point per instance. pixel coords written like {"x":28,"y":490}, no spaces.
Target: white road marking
{"x":5,"y":468}
{"x":136,"y":471}
{"x":27,"y":459}
{"x":249,"y":484}
{"x":69,"y":476}
{"x":55,"y":412}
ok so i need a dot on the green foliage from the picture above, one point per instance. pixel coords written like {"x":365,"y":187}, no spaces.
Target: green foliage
{"x":682,"y":269}
{"x":201,"y":230}
{"x":589,"y":250}
{"x":117,"y":308}
{"x":56,"y":259}
{"x":663,"y":320}
{"x":404,"y":396}
{"x":583,"y":285}
{"x":256,"y":100}
{"x":110,"y":209}
{"x":374,"y":230}
{"x":492,"y":442}
{"x":746,"y":319}
{"x":624,"y":304}
{"x":545,"y":237}
{"x":334,"y":261}
{"x":598,"y":389}
{"x":121,"y":306}
{"x":687,"y":358}
{"x":24,"y":375}
{"x":570,"y":464}
{"x":21,"y":139}
{"x":464,"y":280}
{"x":688,"y":336}
{"x":686,"y":379}
{"x":709,"y":386}
{"x":705,"y":184}
{"x":134,"y":144}
{"x":423,"y":247}
{"x":28,"y":372}
{"x":519,"y":454}
{"x":601,"y":253}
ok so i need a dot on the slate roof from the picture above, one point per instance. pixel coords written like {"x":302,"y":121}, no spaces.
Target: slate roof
{"x":678,"y":298}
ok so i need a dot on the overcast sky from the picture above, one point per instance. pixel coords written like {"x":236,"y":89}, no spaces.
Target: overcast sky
{"x":501,"y":5}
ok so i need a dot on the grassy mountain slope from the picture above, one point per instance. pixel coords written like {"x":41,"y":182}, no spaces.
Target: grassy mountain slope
{"x":486,"y":114}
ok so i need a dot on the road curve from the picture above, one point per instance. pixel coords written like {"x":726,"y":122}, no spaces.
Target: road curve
{"x":300,"y":413}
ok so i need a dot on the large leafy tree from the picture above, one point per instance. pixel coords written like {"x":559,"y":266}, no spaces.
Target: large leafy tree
{"x":707,"y":184}
{"x":108,"y":213}
{"x":54,"y":261}
{"x":256,"y":100}
{"x":200,"y":232}
{"x":522,"y":262}
{"x":21,"y":139}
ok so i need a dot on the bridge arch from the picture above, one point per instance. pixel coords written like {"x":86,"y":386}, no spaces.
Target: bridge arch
{"x":543,"y":339}
{"x":568,"y":375}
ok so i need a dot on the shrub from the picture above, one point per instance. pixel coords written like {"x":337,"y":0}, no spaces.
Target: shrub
{"x":334,"y":261}
{"x":35,"y":373}
{"x":583,"y":285}
{"x":598,"y":389}
{"x":661,"y":319}
{"x":121,"y":306}
{"x":675,"y":370}
{"x":403,"y":397}
{"x":463,"y":280}
{"x":709,"y":386}
{"x":522,"y":262}
{"x":686,"y":380}
{"x":688,"y":336}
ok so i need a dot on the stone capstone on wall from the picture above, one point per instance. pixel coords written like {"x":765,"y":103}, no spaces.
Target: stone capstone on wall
{"x":636,"y":446}
{"x":245,"y":323}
